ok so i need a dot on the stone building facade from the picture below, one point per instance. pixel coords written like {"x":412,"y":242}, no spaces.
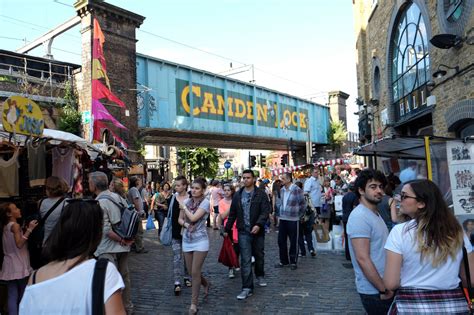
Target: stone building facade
{"x":406,"y":84}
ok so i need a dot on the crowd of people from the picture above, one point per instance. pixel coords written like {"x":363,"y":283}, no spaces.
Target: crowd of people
{"x":405,"y":244}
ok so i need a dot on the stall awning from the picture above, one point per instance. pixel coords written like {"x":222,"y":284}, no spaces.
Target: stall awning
{"x":402,"y":147}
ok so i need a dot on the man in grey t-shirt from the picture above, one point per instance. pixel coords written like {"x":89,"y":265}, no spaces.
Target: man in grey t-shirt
{"x":135,"y":198}
{"x":367,"y":234}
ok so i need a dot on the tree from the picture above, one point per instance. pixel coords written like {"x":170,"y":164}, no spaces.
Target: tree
{"x":70,"y":117}
{"x":202,"y":161}
{"x":337,"y":135}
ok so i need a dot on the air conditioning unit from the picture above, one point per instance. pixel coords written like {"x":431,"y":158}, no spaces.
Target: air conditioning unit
{"x":431,"y":100}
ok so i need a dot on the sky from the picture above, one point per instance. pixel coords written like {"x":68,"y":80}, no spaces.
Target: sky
{"x":305,"y":48}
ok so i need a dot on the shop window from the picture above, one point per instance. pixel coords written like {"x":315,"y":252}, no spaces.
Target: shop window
{"x":410,"y":62}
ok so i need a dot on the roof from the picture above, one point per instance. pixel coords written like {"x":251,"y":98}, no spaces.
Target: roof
{"x":404,"y":147}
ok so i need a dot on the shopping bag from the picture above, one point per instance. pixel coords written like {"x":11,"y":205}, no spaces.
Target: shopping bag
{"x":227,"y":256}
{"x":322,"y":236}
{"x":149,"y":223}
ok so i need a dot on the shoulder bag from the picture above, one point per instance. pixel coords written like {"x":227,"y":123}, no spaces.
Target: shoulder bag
{"x":98,"y":285}
{"x":167,"y":232}
{"x":468,"y":292}
{"x":37,"y":236}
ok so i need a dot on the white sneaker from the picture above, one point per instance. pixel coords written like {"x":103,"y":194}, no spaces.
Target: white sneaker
{"x":261,"y":282}
{"x":244,"y":294}
{"x":231,"y":273}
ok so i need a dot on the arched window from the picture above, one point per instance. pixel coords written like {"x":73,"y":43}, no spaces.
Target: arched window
{"x":410,"y":62}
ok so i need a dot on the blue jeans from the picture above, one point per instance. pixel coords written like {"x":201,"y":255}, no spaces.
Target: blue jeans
{"x":16,"y":288}
{"x":160,"y":217}
{"x":288,"y":229}
{"x":251,"y":245}
{"x":374,"y":305}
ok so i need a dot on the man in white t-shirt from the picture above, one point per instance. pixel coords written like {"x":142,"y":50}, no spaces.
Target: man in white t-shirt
{"x":367,"y":233}
{"x":112,"y":246}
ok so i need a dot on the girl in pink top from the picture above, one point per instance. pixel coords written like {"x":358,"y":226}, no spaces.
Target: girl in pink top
{"x":16,"y":260}
{"x":224,"y":209}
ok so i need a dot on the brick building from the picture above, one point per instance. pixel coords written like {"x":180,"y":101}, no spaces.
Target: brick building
{"x":407,"y":84}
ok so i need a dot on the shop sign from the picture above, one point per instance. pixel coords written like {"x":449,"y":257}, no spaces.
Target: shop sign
{"x":86,"y":117}
{"x":23,"y":116}
{"x":209,"y":103}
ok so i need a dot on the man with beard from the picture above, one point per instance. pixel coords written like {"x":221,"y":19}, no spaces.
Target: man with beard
{"x":367,"y":233}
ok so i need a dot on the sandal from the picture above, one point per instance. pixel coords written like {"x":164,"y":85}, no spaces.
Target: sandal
{"x":177,"y":289}
{"x":188,"y":283}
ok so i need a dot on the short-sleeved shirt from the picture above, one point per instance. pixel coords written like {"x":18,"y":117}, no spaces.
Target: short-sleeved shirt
{"x":53,"y":218}
{"x":364,"y":223}
{"x":246,"y":199}
{"x":134,"y":193}
{"x":69,"y":293}
{"x":313,"y":187}
{"x":112,"y":215}
{"x":199,"y":232}
{"x":421,"y":274}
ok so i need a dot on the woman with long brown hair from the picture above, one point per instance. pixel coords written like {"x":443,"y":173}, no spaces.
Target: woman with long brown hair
{"x":424,"y":255}
{"x":193,"y":218}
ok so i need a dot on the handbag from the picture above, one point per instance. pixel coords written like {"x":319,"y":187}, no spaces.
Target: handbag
{"x":468,"y":292}
{"x":167,"y":232}
{"x":227,"y":256}
{"x":149,"y":223}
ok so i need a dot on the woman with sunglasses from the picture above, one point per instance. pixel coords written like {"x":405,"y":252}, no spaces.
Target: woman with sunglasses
{"x":193,"y":217}
{"x":424,"y":255}
{"x":64,"y":285}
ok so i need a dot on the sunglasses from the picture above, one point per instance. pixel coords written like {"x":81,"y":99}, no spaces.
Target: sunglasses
{"x":404,"y":196}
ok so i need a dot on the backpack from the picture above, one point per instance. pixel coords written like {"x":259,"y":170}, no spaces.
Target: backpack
{"x":127,"y":228}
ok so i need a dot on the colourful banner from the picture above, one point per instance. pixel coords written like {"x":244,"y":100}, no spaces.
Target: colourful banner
{"x":98,"y":72}
{"x":101,"y":113}
{"x":100,"y":91}
{"x":99,"y":127}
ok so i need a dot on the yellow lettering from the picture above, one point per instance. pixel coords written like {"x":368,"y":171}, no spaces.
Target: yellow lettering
{"x":230,"y":112}
{"x":287,"y":117}
{"x":239,"y":108}
{"x":262,"y":112}
{"x":249,"y":110}
{"x":303,"y":120}
{"x":184,"y":99}
{"x":294,"y":119}
{"x":220,"y":104}
{"x":275,"y":108}
{"x":208,"y":105}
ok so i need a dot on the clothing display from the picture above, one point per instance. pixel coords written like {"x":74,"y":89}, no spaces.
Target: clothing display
{"x":9,"y":176}
{"x":36,"y":163}
{"x":63,"y":164}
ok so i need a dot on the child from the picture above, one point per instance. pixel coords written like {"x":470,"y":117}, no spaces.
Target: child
{"x":16,"y":261}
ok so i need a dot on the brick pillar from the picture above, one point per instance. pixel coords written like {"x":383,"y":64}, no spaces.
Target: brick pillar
{"x":337,"y":106}
{"x":118,"y":26}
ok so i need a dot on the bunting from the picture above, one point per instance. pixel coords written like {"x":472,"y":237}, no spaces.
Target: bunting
{"x":101,"y":91}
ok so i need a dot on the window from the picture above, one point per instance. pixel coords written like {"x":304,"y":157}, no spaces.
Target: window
{"x":410,"y":62}
{"x":453,"y":15}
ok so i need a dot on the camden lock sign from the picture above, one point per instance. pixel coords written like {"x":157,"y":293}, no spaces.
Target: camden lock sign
{"x":209,"y":103}
{"x":23,"y":116}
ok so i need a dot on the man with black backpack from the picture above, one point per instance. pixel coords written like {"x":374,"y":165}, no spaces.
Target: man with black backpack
{"x":113,"y":247}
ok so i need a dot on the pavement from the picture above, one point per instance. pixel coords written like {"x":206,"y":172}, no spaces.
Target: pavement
{"x":321,"y":285}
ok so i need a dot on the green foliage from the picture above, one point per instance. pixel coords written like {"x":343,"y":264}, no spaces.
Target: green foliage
{"x":337,"y":135}
{"x":140,"y":146}
{"x":69,"y":117}
{"x":228,"y":174}
{"x":203,"y":161}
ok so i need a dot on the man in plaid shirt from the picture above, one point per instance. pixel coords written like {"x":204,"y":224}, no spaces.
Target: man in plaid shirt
{"x":293,"y":207}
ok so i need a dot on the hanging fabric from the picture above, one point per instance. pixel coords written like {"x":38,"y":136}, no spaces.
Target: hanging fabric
{"x":63,"y":163}
{"x":9,"y":176}
{"x":36,"y":163}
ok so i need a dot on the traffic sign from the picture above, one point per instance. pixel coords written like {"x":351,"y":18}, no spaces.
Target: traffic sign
{"x":227,"y":164}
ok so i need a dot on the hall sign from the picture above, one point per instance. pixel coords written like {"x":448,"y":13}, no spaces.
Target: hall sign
{"x":23,"y":116}
{"x":209,"y":103}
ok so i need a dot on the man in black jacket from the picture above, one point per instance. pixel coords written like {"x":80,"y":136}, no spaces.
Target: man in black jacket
{"x":251,"y":208}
